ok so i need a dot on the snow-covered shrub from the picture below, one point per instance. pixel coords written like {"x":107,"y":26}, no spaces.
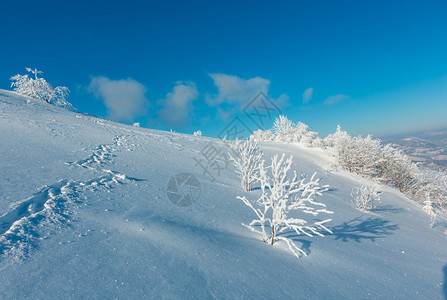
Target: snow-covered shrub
{"x":286,"y":131}
{"x":339,"y":144}
{"x":384,"y":166}
{"x":247,"y":159}
{"x":198,"y":133}
{"x":403,"y":171}
{"x":369,"y":158}
{"x":357,"y":155}
{"x":365,"y":153}
{"x":39,"y":88}
{"x":363,"y":198}
{"x":302,"y":134}
{"x":430,"y":189}
{"x":136,"y":124}
{"x":262,"y":135}
{"x":280,"y":198}
{"x":393,"y":167}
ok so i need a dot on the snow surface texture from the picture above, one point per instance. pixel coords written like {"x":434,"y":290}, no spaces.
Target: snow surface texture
{"x":84,"y":214}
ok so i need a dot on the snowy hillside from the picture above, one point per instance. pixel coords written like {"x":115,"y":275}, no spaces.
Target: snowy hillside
{"x":84,"y":213}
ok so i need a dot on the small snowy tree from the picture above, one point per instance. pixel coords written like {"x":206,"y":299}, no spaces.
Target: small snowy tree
{"x":428,"y":208}
{"x":59,"y":98}
{"x":281,"y":197}
{"x":39,"y":88}
{"x":302,"y":134}
{"x":198,"y":133}
{"x":430,"y":189}
{"x":365,"y":196}
{"x":247,"y":159}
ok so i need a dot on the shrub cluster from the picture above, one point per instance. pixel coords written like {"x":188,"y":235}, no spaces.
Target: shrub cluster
{"x":369,"y":158}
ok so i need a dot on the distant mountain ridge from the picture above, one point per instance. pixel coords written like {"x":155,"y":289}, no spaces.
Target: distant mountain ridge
{"x":428,"y":149}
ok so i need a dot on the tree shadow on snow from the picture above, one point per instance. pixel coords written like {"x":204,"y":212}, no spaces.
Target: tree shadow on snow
{"x":305,"y":245}
{"x":358,"y":229}
{"x":387,"y":209}
{"x":302,"y":243}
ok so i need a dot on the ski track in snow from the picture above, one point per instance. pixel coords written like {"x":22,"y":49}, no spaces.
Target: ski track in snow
{"x":49,"y":208}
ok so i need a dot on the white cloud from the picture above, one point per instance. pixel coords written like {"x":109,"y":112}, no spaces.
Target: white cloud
{"x":307,"y":95}
{"x":234,"y":92}
{"x":331,"y":100}
{"x":125,"y":99}
{"x":177,"y":106}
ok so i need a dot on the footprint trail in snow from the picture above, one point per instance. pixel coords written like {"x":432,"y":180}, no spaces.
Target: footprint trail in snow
{"x":21,"y":227}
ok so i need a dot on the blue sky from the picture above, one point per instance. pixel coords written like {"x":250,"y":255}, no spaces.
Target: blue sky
{"x":371,"y":66}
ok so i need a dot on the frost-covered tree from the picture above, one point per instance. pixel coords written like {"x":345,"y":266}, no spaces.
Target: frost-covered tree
{"x":302,"y":134}
{"x":339,"y":144}
{"x":283,"y":128}
{"x":365,"y":196}
{"x":402,"y":171}
{"x":262,"y":135}
{"x":364,"y":154}
{"x":59,"y":98}
{"x":39,"y":88}
{"x":281,"y":200}
{"x":35,"y":87}
{"x":384,"y":166}
{"x":428,"y":208}
{"x":247,"y":158}
{"x":287,"y":131}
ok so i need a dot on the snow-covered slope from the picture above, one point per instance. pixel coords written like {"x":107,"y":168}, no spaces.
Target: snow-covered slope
{"x":84,"y":214}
